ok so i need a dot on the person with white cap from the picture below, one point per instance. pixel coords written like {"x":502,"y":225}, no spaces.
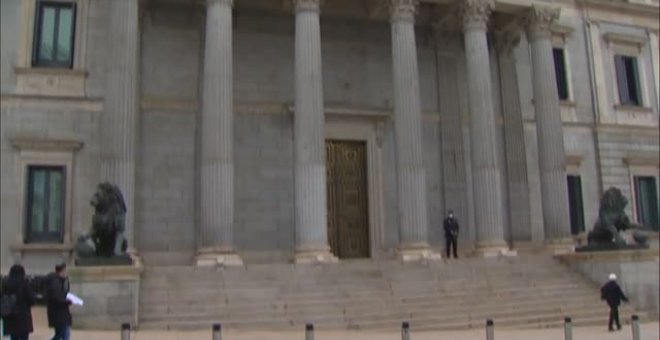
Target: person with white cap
{"x":612,"y":293}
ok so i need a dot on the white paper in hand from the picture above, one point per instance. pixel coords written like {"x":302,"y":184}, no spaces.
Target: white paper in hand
{"x":74,"y":299}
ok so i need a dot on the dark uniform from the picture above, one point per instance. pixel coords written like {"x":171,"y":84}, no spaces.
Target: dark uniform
{"x":59,"y":316}
{"x":612,"y":293}
{"x":451,"y":235}
{"x":18,"y":325}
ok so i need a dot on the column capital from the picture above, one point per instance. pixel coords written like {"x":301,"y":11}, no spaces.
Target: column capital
{"x":229,"y":3}
{"x":538,"y":21}
{"x":307,"y":5}
{"x":403,"y":10}
{"x":475,"y":13}
{"x":506,"y":40}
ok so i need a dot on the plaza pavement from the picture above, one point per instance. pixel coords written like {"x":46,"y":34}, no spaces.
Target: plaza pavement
{"x":650,"y":331}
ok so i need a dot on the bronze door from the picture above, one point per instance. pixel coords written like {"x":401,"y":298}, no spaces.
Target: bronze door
{"x":348,"y":221}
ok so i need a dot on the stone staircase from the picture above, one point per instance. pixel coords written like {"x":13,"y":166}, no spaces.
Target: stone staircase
{"x":529,"y":291}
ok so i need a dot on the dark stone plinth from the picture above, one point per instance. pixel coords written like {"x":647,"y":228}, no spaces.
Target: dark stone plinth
{"x":610,"y":247}
{"x":119,"y":260}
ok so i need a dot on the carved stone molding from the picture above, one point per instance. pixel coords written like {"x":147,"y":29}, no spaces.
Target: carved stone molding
{"x":507,"y":40}
{"x":222,"y":2}
{"x":403,"y":10}
{"x":307,"y":5}
{"x":539,"y":21}
{"x":475,"y":13}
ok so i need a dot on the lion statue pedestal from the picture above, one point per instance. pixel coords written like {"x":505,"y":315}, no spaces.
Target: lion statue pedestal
{"x":105,"y":244}
{"x":612,"y":219}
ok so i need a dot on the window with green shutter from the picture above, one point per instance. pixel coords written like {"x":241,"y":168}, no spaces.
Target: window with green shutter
{"x":646,"y":201}
{"x":627,"y":77}
{"x":575,"y":206}
{"x":45,"y":204}
{"x":54,"y":34}
{"x":560,"y":73}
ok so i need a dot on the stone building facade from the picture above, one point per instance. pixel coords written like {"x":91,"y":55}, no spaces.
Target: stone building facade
{"x":307,"y":130}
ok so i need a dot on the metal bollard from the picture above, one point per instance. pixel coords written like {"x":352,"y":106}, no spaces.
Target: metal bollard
{"x":568,"y":328}
{"x":125,"y":331}
{"x":405,"y":330}
{"x":635,"y":328}
{"x":309,"y":331}
{"x":217,"y":331}
{"x":490,"y":330}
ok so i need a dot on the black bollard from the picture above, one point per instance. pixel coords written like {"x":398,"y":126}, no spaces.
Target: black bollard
{"x":568,"y":328}
{"x":217,"y":331}
{"x":125,"y":331}
{"x":405,"y":331}
{"x":309,"y":331}
{"x":490,"y":331}
{"x":635,"y":328}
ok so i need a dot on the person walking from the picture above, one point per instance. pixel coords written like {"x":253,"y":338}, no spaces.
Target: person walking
{"x":18,"y":324}
{"x":451,"y":234}
{"x":59,"y":316}
{"x":612,"y":293}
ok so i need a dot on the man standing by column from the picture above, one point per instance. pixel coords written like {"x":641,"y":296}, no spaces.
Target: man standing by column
{"x":451,"y":234}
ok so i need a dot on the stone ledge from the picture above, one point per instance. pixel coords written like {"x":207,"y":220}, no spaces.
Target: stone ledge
{"x":27,"y":143}
{"x":105,"y":273}
{"x":52,"y":82}
{"x":41,"y":247}
{"x":618,"y":255}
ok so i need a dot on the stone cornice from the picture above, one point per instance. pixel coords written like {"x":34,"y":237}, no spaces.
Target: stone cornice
{"x":222,"y":2}
{"x":475,"y":13}
{"x":27,"y":143}
{"x":307,"y":5}
{"x":539,"y":21}
{"x":403,"y":10}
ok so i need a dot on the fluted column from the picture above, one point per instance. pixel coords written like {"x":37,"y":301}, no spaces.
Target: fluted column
{"x":552,"y":159}
{"x":486,"y":185}
{"x":411,"y":176}
{"x":309,"y":138}
{"x":216,"y":242}
{"x":119,"y":122}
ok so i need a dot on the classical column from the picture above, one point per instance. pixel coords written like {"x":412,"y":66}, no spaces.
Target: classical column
{"x":514,"y":138}
{"x":411,"y":176}
{"x":554,"y":192}
{"x":309,"y":138}
{"x":486,"y":181}
{"x":216,"y":237}
{"x":119,"y":122}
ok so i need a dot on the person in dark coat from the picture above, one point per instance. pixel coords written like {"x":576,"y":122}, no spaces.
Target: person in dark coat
{"x":18,"y":325}
{"x":451,"y":234}
{"x":612,"y":293}
{"x":59,"y":316}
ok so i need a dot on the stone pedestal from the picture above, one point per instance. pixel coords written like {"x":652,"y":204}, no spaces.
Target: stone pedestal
{"x":216,"y":237}
{"x":486,"y":179}
{"x":636,"y":271}
{"x":309,"y":138}
{"x":110,"y":295}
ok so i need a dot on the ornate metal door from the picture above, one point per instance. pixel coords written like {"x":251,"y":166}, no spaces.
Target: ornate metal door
{"x":348,"y":221}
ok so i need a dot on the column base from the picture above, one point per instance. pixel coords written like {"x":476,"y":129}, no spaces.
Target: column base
{"x":560,"y":245}
{"x":527,"y":247}
{"x":218,"y":257}
{"x":417,"y":252}
{"x":314,"y":255}
{"x":494,"y":249}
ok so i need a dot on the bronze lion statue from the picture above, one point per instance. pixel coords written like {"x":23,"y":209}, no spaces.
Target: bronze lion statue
{"x":612,"y":219}
{"x":106,"y":238}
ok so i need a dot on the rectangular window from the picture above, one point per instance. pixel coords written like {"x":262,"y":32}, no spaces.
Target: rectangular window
{"x":560,"y":73}
{"x":45,"y":204}
{"x":627,"y":77}
{"x":576,"y":209}
{"x":54,"y":34}
{"x":646,"y":201}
